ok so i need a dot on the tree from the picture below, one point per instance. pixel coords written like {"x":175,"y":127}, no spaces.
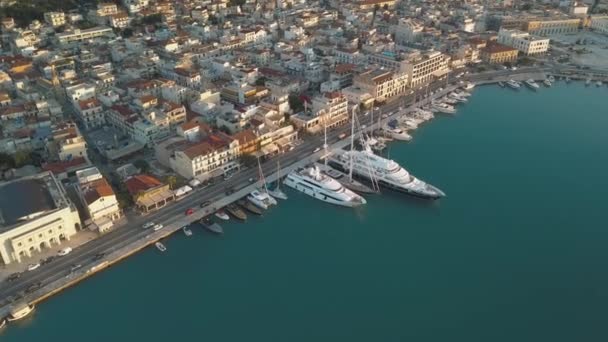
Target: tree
{"x":171,"y":180}
{"x":261,"y":81}
{"x":249,"y":160}
{"x":6,"y":161}
{"x":127,"y":32}
{"x":296,"y":103}
{"x":22,"y":158}
{"x":152,"y":19}
{"x":142,"y":165}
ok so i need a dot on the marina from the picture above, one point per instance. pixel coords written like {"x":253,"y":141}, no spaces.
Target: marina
{"x":236,"y":212}
{"x":387,"y":247}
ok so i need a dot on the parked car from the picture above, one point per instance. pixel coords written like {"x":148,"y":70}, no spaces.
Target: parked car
{"x":148,"y":225}
{"x":14,"y":276}
{"x":189,"y":211}
{"x":64,"y":251}
{"x":317,"y":149}
{"x":342,"y":136}
{"x":98,"y":256}
{"x":32,"y":267}
{"x":158,"y":227}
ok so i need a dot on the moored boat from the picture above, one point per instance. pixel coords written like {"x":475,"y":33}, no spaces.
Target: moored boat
{"x":547,"y":83}
{"x":235,"y":211}
{"x":159,"y":245}
{"x":346,"y":181}
{"x":2,"y":323}
{"x":187,"y":231}
{"x":250,"y":207}
{"x":598,"y":84}
{"x":20,"y":312}
{"x":444,"y":108}
{"x":513,"y":84}
{"x":260,"y":198}
{"x":211,"y":226}
{"x":222,"y":215}
{"x":531,"y":84}
{"x":322,"y":187}
{"x":501,"y":84}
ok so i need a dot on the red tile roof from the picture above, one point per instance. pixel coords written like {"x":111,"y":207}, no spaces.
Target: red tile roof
{"x":140,"y":183}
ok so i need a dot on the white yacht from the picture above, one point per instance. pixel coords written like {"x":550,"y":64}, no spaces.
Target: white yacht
{"x":513,"y":84}
{"x":322,"y":187}
{"x":532,"y":84}
{"x":547,"y":82}
{"x":260,"y":199}
{"x":159,"y":245}
{"x":444,"y":108}
{"x":469,"y":86}
{"x":365,"y":164}
{"x":457,"y":98}
{"x":397,"y":133}
{"x":598,"y":84}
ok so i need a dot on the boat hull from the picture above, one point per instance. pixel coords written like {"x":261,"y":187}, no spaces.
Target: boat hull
{"x":320,"y":196}
{"x":392,"y":187}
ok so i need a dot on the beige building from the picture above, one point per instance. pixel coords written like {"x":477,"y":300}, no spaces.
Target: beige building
{"x":496,"y":53}
{"x":381,"y":84}
{"x":549,"y":27}
{"x":35,"y":214}
{"x":67,"y":143}
{"x":524,"y":42}
{"x":54,"y":19}
{"x":423,"y":68}
{"x":329,"y":110}
{"x":98,"y":199}
{"x":78,"y":35}
{"x":599,"y":24}
{"x":212,"y":156}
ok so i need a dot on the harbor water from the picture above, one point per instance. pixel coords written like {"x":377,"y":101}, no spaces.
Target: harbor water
{"x":517,"y":251}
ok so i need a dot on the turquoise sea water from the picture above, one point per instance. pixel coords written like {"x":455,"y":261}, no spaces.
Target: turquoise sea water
{"x":518,"y":251}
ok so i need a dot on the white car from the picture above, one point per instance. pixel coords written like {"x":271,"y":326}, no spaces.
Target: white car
{"x":384,"y":116}
{"x":317,"y":149}
{"x":32,"y":267}
{"x":64,"y":251}
{"x":158,"y":227}
{"x":148,"y":225}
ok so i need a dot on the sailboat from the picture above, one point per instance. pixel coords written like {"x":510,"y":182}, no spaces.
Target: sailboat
{"x":262,"y":194}
{"x":277,"y":192}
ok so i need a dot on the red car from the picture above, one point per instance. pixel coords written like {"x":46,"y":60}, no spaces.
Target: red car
{"x":190,"y":211}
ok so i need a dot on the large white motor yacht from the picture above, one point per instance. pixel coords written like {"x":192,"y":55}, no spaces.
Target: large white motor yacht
{"x":367,"y":165}
{"x":322,"y":187}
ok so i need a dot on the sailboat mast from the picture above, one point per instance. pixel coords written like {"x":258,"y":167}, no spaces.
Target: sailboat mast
{"x":352,"y":145}
{"x":325,"y":141}
{"x":262,"y":175}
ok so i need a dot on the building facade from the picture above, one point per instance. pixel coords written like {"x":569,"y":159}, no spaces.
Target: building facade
{"x":524,"y":42}
{"x":36,"y":214}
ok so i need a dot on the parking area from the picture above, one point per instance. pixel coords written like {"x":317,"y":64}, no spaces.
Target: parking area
{"x":585,"y":48}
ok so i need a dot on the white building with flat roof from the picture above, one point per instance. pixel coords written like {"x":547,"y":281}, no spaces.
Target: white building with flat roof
{"x":78,"y":35}
{"x":524,"y":42}
{"x":35,"y":214}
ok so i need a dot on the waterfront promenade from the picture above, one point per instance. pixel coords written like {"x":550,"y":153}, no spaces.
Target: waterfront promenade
{"x":132,"y":238}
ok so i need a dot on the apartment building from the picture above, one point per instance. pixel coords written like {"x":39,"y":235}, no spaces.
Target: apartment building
{"x":599,"y":24}
{"x":91,"y":113}
{"x":422,"y":68}
{"x":211,"y":157}
{"x":79,"y":35}
{"x":328,"y":110}
{"x":547,"y":27}
{"x":54,"y":19}
{"x":98,"y":199}
{"x":381,"y":84}
{"x":524,"y":42}
{"x":408,"y":31}
{"x":496,"y":53}
{"x":66,"y":142}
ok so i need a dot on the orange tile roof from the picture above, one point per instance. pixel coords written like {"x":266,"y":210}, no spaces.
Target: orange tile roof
{"x":141,"y":182}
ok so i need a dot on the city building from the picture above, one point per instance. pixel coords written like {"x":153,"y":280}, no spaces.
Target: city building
{"x":381,"y":84}
{"x":35,"y":214}
{"x":496,"y":53}
{"x":599,"y":24}
{"x":148,"y":193}
{"x":91,"y":113}
{"x":54,"y":19}
{"x":423,"y":68}
{"x":328,"y":111}
{"x":98,"y":199}
{"x":523,"y":42}
{"x":547,"y":27}
{"x":79,"y":35}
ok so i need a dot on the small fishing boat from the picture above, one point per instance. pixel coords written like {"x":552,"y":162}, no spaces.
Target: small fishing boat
{"x":159,"y":245}
{"x":222,"y":215}
{"x":250,"y":207}
{"x":187,"y":231}
{"x":235,"y":211}
{"x":547,"y":83}
{"x":20,"y":312}
{"x":212,"y":226}
{"x":501,"y":84}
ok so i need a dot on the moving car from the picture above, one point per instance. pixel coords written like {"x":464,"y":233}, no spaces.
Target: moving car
{"x":189,"y":211}
{"x":317,"y":149}
{"x":64,"y":251}
{"x":148,"y":225}
{"x":158,"y":227}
